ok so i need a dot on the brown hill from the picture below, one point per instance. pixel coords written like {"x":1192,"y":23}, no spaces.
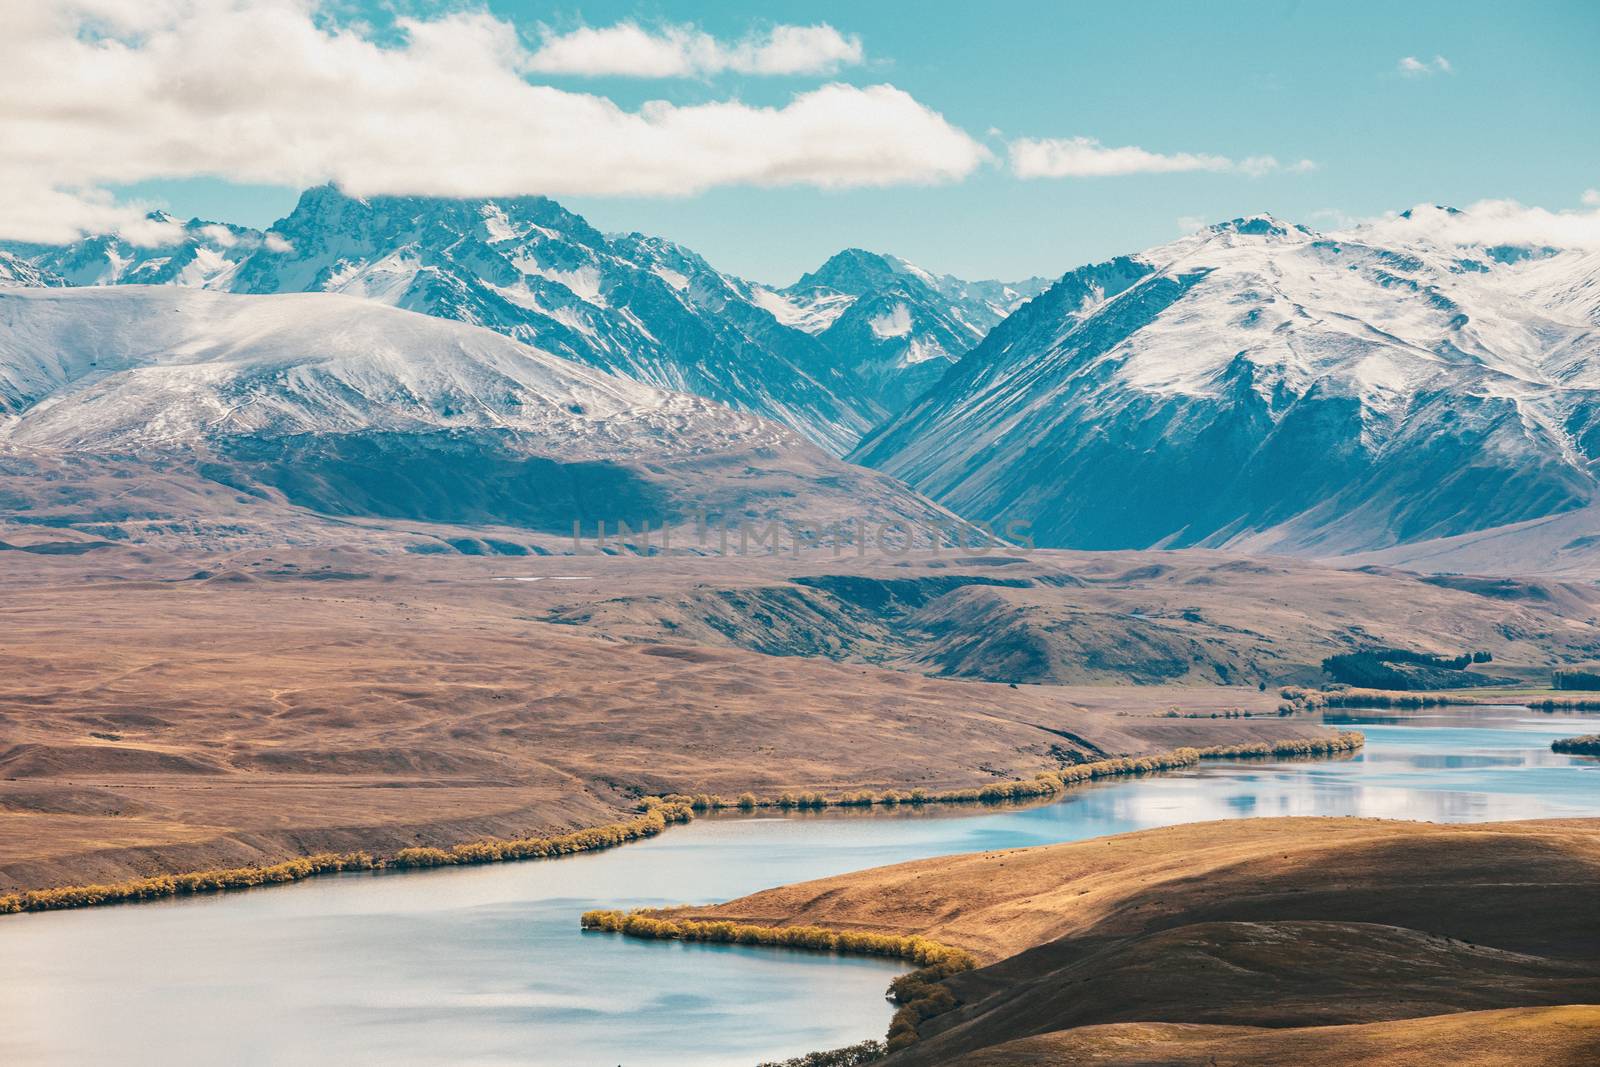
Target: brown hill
{"x":1282,"y":923}
{"x":175,"y":722}
{"x":1567,"y":1036}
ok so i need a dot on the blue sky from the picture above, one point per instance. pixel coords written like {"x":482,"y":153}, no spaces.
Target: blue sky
{"x":1513,"y":116}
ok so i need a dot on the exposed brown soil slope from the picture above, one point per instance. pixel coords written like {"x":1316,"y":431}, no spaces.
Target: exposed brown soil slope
{"x":1260,"y":922}
{"x":271,"y":708}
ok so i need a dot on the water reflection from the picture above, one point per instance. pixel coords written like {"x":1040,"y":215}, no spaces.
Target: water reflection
{"x":486,"y":966}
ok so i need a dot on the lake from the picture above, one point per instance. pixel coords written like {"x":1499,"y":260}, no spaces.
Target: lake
{"x":486,"y":965}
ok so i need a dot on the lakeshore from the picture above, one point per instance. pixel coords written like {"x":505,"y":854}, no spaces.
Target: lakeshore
{"x":342,"y":964}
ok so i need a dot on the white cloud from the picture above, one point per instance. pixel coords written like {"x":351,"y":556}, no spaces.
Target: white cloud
{"x":1591,"y":197}
{"x":219,"y":235}
{"x":1412,"y":67}
{"x":1084,"y":157}
{"x":1190,"y":223}
{"x":628,"y":50}
{"x":1258,"y":166}
{"x":1331,"y":218}
{"x":1493,"y":222}
{"x":101,"y":92}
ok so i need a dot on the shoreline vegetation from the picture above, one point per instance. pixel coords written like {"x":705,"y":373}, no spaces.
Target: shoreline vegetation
{"x":857,"y":1055}
{"x":1586,"y":745}
{"x":1313,"y":699}
{"x":1043,"y":784}
{"x":657,"y":815}
{"x":1311,"y":921}
{"x":918,"y":993}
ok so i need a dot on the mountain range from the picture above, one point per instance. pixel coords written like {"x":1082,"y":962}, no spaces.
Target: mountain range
{"x":175,"y":413}
{"x":1265,"y":387}
{"x":895,"y":326}
{"x":1259,"y":386}
{"x":526,"y":267}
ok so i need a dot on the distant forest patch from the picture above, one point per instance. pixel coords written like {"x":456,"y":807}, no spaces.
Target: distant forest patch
{"x":1576,"y":678}
{"x":1399,"y":668}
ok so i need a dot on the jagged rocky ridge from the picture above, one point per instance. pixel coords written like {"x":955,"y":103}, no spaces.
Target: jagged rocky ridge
{"x":528,"y":268}
{"x":898,"y":327}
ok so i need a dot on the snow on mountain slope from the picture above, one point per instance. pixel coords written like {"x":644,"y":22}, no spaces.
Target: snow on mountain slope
{"x":166,"y":252}
{"x":896,"y":326}
{"x":530,"y":269}
{"x":1262,"y":386}
{"x":16,"y":271}
{"x":525,"y":267}
{"x":630,"y":304}
{"x":140,"y":367}
{"x":346,"y":406}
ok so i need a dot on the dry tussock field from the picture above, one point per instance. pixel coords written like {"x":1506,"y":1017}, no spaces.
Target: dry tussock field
{"x":174,"y":716}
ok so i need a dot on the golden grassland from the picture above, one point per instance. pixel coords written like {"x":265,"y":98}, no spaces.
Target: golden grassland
{"x":144,"y":731}
{"x":658,"y":814}
{"x":1311,"y":922}
{"x":1565,"y":1035}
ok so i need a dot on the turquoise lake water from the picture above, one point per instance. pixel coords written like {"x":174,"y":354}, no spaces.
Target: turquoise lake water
{"x":486,"y":965}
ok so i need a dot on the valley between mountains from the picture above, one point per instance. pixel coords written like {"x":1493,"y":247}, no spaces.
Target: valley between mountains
{"x":289,"y":515}
{"x":170,"y":712}
{"x":312,"y":541}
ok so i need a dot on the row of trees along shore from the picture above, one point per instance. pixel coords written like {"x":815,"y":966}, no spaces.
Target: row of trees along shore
{"x":857,"y":1055}
{"x":658,"y":813}
{"x":1043,"y":784}
{"x":1312,"y":699}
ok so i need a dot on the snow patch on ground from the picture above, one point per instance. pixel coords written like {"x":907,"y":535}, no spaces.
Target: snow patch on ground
{"x":808,"y":315}
{"x":896,"y":322}
{"x":677,"y":279}
{"x":584,"y":283}
{"x":920,"y":351}
{"x":496,"y":225}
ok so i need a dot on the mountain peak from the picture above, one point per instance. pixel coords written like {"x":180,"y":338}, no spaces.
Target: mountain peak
{"x":1409,"y":212}
{"x":854,"y":271}
{"x":1259,"y":225}
{"x":328,"y":208}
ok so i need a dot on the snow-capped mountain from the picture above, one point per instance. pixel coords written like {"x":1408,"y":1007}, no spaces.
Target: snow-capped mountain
{"x":162,"y":251}
{"x":1264,"y":386}
{"x":349,"y":407}
{"x":898,"y":327}
{"x":525,"y":267}
{"x":831,"y":357}
{"x":530,"y":269}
